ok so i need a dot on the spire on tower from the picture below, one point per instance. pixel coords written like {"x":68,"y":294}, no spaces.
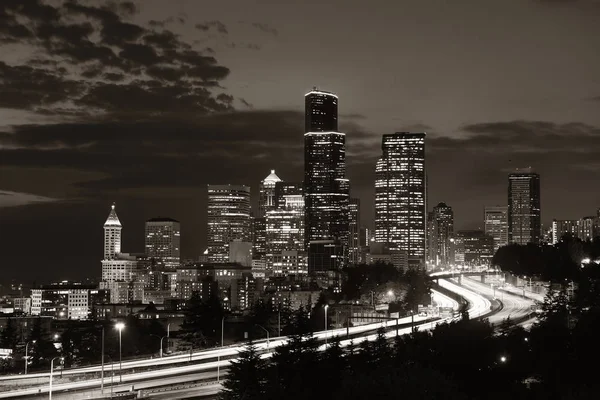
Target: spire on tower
{"x":113,"y":219}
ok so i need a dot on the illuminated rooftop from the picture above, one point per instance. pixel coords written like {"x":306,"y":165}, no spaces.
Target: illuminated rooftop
{"x":113,"y":219}
{"x":272,"y":177}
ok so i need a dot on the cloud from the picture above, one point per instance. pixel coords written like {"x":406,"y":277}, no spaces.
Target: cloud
{"x":15,"y":199}
{"x":266,"y":28}
{"x":166,"y":153}
{"x":90,"y":60}
{"x":212,"y":25}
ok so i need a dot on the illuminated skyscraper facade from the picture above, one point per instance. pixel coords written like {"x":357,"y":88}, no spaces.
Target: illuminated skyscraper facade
{"x":400,"y":196}
{"x":496,"y":224}
{"x":112,"y":235}
{"x":354,"y":246}
{"x":326,"y":188}
{"x":228,"y":219}
{"x":442,"y":231}
{"x":266,"y":201}
{"x":524,"y":213}
{"x":163,"y":242}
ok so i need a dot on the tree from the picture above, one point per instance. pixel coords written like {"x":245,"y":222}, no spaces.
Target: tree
{"x":203,"y":320}
{"x":246,"y":376}
{"x":68,"y":350}
{"x":43,"y":349}
{"x":8,"y":338}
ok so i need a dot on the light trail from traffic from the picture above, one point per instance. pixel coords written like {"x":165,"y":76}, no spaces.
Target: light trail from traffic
{"x":479,"y":306}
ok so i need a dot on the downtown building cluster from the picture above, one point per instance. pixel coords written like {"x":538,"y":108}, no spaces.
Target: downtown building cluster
{"x":302,"y":234}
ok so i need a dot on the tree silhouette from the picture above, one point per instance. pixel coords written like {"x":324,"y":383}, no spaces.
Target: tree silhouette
{"x":246,"y":376}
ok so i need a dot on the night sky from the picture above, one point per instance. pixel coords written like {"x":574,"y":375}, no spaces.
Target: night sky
{"x":145,"y":103}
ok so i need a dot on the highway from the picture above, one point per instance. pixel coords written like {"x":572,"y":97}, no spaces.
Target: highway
{"x":212,"y":353}
{"x":514,"y":307}
{"x":188,"y":373}
{"x":227,"y":350}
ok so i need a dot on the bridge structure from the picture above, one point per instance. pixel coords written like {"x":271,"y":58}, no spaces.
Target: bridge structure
{"x":436,"y":276}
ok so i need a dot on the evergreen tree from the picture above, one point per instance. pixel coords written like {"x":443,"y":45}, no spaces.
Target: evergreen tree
{"x":300,"y":321}
{"x":382,"y":352}
{"x":333,"y":365}
{"x":43,"y":349}
{"x":246,"y":376}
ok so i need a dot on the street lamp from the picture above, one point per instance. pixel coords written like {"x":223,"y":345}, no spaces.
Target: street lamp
{"x":102,"y":362}
{"x":120,"y":326}
{"x":326,"y":307}
{"x":161,"y":343}
{"x":219,"y":355}
{"x":51,"y":375}
{"x":168,"y":335}
{"x":27,"y":358}
{"x":266,"y":332}
{"x":503,"y":359}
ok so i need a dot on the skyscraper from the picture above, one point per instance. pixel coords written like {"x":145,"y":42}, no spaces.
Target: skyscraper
{"x":228,"y":219}
{"x":524,"y":215}
{"x":400,"y":195}
{"x":442,"y":231}
{"x":266,"y":201}
{"x":496,"y":224}
{"x":112,"y":235}
{"x":354,"y":247}
{"x":163,"y":241}
{"x":326,"y":188}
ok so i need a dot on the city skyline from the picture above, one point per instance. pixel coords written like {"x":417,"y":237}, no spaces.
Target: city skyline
{"x":64,"y":160}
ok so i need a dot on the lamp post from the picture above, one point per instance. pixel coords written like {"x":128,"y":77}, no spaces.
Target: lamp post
{"x":326,"y":307}
{"x":266,"y":332}
{"x":168,"y":336}
{"x":161,"y":343}
{"x":51,"y":376}
{"x":219,"y":355}
{"x":102,"y":362}
{"x":26,"y":357}
{"x":112,"y":375}
{"x":120,"y":326}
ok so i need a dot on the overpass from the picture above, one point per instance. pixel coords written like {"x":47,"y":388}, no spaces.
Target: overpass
{"x":436,"y":276}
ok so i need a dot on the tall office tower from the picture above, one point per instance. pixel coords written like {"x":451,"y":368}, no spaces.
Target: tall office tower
{"x":564,"y":227}
{"x":112,"y":235}
{"x":266,"y":189}
{"x":163,"y":242}
{"x":442,"y":231}
{"x":400,"y":196}
{"x":354,"y":251}
{"x":259,"y":238}
{"x":326,"y":189}
{"x":496,"y":224}
{"x":228,"y":219}
{"x":524,"y":215}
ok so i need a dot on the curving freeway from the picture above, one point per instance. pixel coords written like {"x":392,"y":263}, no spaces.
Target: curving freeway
{"x":479,"y":306}
{"x":513,"y":306}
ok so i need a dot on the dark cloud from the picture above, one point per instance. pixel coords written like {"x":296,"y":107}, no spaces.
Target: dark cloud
{"x":113,"y":77}
{"x":117,"y":33}
{"x":266,"y":28}
{"x":245,"y":103}
{"x":103,"y":63}
{"x":25,"y":87}
{"x":212,"y":25}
